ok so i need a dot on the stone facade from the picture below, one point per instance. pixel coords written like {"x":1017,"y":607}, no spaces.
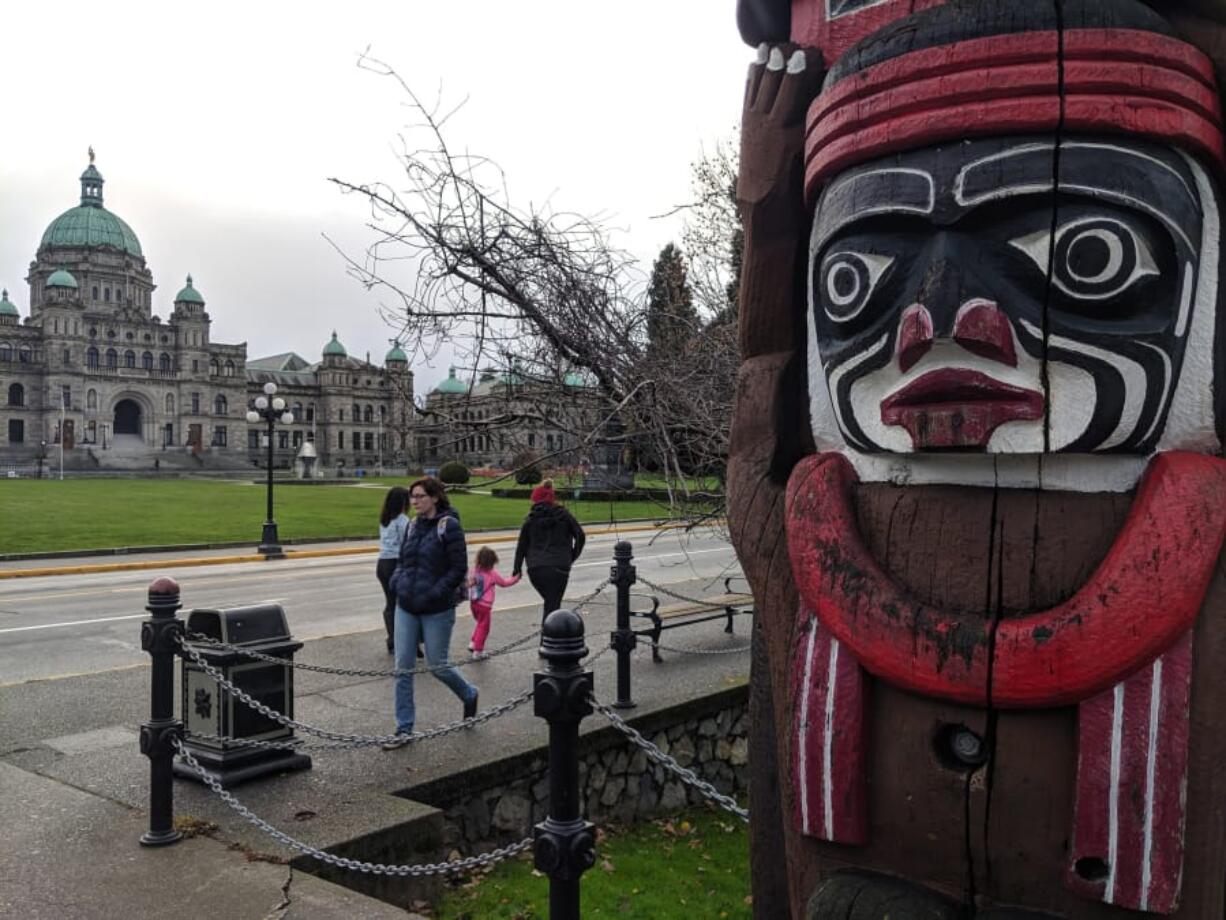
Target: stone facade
{"x":95,"y":369}
{"x":355,"y":413}
{"x":486,"y":422}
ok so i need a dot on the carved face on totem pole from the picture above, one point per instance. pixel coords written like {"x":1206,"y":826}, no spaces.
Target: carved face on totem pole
{"x":1007,"y":274}
{"x":979,"y":286}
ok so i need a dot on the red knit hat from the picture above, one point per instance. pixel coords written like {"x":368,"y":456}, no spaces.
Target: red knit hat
{"x":543,"y":493}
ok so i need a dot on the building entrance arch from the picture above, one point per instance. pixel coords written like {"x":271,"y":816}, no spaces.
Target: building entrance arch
{"x":127,"y":417}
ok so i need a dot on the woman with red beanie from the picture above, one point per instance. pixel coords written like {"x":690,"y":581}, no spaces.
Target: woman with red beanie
{"x":549,"y":541}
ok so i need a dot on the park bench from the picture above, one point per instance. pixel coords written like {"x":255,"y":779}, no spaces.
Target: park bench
{"x":685,"y":613}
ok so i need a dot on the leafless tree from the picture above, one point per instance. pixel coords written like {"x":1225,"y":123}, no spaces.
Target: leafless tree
{"x":541,"y":290}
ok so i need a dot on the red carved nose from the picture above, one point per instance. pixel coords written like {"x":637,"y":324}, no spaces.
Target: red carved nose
{"x":982,"y":328}
{"x":914,"y":335}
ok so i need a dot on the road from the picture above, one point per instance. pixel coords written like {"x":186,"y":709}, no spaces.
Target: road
{"x":80,"y":624}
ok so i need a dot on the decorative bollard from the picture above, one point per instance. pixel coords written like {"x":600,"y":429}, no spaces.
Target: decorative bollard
{"x":623,"y":639}
{"x":159,"y":637}
{"x":564,"y":845}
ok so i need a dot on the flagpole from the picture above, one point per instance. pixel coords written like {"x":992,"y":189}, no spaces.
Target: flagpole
{"x":61,"y":435}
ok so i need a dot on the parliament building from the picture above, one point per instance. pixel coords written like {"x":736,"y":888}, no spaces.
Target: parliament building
{"x":93,"y":369}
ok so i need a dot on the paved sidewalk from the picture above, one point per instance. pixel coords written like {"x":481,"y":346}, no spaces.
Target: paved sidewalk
{"x":76,"y":787}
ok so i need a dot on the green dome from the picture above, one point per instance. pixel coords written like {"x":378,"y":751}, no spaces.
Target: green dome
{"x":7,"y":308}
{"x":189,"y":294}
{"x":90,"y":224}
{"x":396,"y":354}
{"x":451,"y":385}
{"x":577,"y":380}
{"x":62,"y":278}
{"x":335,"y":348}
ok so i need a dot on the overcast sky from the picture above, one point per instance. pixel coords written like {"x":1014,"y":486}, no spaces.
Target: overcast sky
{"x":217,"y":125}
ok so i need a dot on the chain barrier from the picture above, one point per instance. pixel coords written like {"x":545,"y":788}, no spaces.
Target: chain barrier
{"x":670,"y":593}
{"x":588,"y":598}
{"x":482,"y":861}
{"x":654,"y":754}
{"x":699,"y":651}
{"x":218,"y":645}
{"x":346,"y":741}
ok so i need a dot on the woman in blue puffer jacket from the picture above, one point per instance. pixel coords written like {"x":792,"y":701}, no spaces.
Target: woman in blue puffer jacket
{"x":427,"y":581}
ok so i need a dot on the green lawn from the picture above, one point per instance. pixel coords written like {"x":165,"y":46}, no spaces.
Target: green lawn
{"x":693,"y":865}
{"x":47,"y":515}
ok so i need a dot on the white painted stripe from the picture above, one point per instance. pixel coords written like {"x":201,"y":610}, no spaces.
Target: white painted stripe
{"x":1151,"y":760}
{"x":1185,"y":300}
{"x":828,"y":741}
{"x":846,"y":367}
{"x":1113,"y":790}
{"x":803,"y":730}
{"x":1166,"y":387}
{"x":133,"y":616}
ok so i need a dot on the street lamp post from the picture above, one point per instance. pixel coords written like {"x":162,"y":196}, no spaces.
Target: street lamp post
{"x":270,"y":408}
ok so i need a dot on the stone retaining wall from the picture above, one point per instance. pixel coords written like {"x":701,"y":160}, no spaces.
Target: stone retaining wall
{"x":618,"y":782}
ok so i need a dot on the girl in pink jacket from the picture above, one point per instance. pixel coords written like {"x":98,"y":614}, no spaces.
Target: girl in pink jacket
{"x":482,"y":581}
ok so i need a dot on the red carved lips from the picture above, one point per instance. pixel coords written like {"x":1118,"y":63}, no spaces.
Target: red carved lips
{"x":958,"y":408}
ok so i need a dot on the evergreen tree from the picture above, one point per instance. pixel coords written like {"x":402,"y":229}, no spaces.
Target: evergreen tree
{"x":671,"y":316}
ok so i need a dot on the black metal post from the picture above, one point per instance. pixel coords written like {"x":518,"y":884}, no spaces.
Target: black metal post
{"x":270,"y":543}
{"x":623,"y":639}
{"x":158,"y":637}
{"x":564,"y":844}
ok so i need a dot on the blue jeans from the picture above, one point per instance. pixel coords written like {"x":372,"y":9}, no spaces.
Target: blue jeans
{"x":434,"y":629}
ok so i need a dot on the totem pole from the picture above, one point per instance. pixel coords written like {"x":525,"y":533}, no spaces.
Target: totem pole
{"x":974,"y":476}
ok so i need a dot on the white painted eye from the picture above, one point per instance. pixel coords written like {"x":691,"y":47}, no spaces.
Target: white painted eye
{"x":847,"y":280}
{"x":1094,"y":258}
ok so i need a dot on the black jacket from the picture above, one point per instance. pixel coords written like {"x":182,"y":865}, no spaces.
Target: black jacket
{"x":433,"y":564}
{"x":550,"y":537}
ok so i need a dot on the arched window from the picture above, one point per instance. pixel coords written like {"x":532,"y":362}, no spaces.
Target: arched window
{"x":367,"y":414}
{"x":23,"y":355}
{"x":129,"y":358}
{"x":95,"y":292}
{"x":219,"y":405}
{"x":146,"y":360}
{"x":170,"y":403}
{"x":297,"y":410}
{"x":91,"y":399}
{"x":91,"y":357}
{"x":213,"y":368}
{"x":112,"y":358}
{"x":357,"y":412}
{"x":229,"y":368}
{"x":6,"y":351}
{"x":163,"y":362}
{"x":17,"y":395}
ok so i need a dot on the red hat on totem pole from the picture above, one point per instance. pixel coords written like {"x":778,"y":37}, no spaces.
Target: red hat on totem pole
{"x":911,"y":73}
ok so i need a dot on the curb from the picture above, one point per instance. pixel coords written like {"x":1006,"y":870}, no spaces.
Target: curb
{"x":137,"y":565}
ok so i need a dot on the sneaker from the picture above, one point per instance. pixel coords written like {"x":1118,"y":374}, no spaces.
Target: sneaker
{"x":421,"y":653}
{"x":401,"y":739}
{"x":470,"y":706}
{"x":480,"y":656}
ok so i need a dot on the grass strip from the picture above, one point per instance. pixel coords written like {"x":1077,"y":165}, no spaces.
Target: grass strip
{"x":50,"y":515}
{"x":694,"y":864}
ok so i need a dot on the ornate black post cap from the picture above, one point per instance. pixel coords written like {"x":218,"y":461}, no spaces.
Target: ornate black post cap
{"x":163,"y":593}
{"x":562,"y":638}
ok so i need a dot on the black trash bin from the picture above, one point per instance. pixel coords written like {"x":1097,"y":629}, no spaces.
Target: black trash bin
{"x":209,"y":709}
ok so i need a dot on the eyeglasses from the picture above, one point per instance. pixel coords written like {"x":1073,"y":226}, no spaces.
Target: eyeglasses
{"x":417,"y":495}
